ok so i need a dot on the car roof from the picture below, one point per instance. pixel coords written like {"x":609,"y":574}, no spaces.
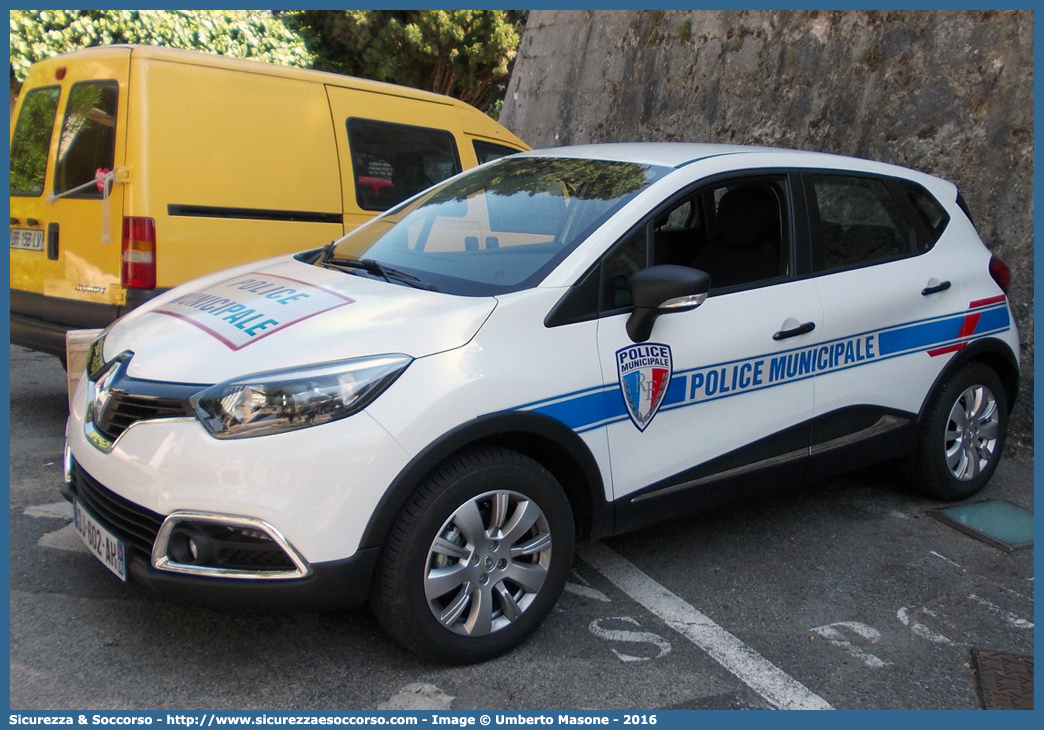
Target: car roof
{"x":667,"y":154}
{"x":679,"y":154}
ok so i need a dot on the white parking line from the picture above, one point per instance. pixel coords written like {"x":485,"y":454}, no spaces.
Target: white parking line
{"x":777,"y":687}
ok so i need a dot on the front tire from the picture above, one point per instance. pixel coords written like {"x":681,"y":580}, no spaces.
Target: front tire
{"x":962,"y":435}
{"x":476,"y":559}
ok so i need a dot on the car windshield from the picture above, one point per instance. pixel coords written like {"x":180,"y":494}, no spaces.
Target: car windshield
{"x":501,"y":228}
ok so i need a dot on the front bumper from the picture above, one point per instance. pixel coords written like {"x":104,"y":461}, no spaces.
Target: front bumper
{"x":334,"y":585}
{"x":331,"y":585}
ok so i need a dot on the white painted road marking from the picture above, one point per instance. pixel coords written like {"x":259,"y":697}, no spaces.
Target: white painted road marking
{"x":418,"y":696}
{"x":920,"y":629}
{"x":629,"y":636}
{"x":66,"y":538}
{"x":586,"y":592}
{"x":777,"y":687}
{"x":1018,"y":623}
{"x":946,"y":559}
{"x":868,"y":634}
{"x":52,"y":511}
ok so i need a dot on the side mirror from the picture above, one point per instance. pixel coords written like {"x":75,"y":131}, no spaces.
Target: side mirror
{"x":660,"y":290}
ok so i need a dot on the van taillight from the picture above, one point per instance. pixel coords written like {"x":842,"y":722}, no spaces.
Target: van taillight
{"x":1000,"y":272}
{"x":139,"y":253}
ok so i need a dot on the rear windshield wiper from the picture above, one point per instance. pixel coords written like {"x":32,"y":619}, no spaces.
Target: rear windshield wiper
{"x":372,"y":267}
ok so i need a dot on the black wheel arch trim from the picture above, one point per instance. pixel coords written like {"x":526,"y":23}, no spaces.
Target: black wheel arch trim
{"x":995,"y":353}
{"x":555,"y":446}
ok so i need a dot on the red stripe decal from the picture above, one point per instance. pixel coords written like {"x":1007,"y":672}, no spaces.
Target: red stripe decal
{"x":947,"y":349}
{"x":985,"y":302}
{"x":971,"y":321}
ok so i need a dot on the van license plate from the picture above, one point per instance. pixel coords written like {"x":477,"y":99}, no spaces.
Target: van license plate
{"x":105,"y":546}
{"x":27,"y":239}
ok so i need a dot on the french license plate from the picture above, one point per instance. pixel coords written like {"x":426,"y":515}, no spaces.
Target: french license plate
{"x":105,"y":546}
{"x":27,"y":239}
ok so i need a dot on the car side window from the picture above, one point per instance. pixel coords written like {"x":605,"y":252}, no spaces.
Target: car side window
{"x":393,"y":162}
{"x":929,"y":212}
{"x":736,"y":231}
{"x":855,"y":222}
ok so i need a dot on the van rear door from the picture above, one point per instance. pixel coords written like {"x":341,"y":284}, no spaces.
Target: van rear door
{"x":60,"y":219}
{"x":391,"y":147}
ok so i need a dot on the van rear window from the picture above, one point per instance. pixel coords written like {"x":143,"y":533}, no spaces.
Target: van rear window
{"x":486,"y":151}
{"x":393,"y":162}
{"x":88,"y":143}
{"x":32,"y":141}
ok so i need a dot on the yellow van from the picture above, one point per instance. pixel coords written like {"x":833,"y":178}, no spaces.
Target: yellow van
{"x":135,"y":168}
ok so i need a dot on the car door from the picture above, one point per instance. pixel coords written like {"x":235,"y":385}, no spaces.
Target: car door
{"x":82,"y":222}
{"x":719,"y":393}
{"x":892,"y":309}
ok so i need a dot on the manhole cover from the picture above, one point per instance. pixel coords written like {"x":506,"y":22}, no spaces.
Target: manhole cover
{"x":1005,"y":680}
{"x":994,"y":521}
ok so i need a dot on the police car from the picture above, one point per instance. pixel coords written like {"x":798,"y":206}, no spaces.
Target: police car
{"x":557,"y":346}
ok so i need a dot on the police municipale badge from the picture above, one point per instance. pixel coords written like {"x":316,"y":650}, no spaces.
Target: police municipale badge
{"x":645,"y":372}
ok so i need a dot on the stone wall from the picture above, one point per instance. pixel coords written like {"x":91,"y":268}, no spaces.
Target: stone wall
{"x":947,"y":92}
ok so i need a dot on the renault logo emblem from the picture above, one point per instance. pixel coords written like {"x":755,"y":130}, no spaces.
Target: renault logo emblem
{"x":103,"y":392}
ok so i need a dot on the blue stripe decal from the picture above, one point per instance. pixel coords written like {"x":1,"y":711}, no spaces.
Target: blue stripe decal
{"x":592,"y":408}
{"x":578,"y":412}
{"x":920,"y":335}
{"x":994,"y":319}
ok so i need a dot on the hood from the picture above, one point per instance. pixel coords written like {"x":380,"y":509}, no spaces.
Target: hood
{"x":283,"y":313}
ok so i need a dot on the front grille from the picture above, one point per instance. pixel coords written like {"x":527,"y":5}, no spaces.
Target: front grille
{"x":119,"y":401}
{"x":133,"y":523}
{"x":124,"y":409}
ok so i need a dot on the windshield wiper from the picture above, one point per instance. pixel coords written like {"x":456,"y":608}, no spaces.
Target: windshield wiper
{"x":372,"y":267}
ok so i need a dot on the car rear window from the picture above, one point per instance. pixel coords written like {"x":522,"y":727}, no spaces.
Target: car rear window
{"x":87,"y":146}
{"x":32,"y":140}
{"x":393,"y":162}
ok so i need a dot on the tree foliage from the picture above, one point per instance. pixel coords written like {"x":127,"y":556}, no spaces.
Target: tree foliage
{"x":467,"y":54}
{"x":256,"y":34}
{"x":462,"y":53}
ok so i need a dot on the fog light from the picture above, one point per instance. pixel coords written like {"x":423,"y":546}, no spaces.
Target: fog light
{"x":190,"y":546}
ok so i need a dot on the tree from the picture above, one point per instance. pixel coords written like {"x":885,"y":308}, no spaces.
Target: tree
{"x":256,"y":34}
{"x":462,"y":53}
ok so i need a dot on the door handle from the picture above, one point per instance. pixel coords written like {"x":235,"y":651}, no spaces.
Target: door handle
{"x":52,"y":241}
{"x":935,"y":288}
{"x":801,"y":329}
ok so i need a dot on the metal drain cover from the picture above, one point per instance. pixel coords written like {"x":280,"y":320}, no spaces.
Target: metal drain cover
{"x":1005,"y":680}
{"x":994,"y":521}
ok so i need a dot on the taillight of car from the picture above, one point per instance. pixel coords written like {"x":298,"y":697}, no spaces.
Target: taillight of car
{"x":138,"y":270}
{"x":1000,"y":272}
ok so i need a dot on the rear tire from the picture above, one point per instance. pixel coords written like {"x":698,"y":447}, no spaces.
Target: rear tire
{"x":476,"y":559}
{"x":962,"y":434}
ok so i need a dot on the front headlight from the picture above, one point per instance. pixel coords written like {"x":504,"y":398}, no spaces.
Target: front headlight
{"x":285,"y":400}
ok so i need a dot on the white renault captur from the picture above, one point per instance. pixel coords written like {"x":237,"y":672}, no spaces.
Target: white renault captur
{"x":559,"y":345}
